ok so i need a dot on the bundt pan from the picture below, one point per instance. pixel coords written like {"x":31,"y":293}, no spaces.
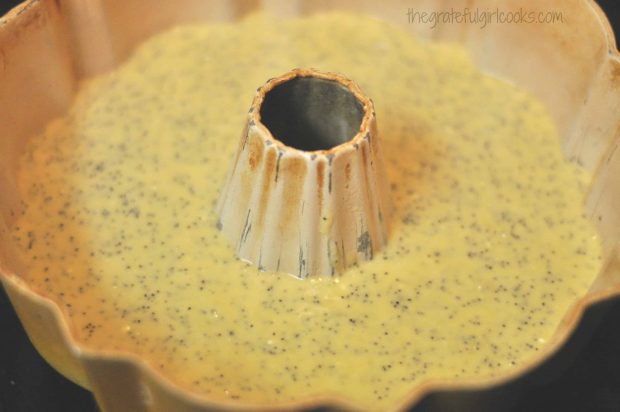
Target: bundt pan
{"x":48,"y":46}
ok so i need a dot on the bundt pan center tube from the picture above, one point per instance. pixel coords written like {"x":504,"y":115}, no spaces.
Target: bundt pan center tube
{"x":307,"y":192}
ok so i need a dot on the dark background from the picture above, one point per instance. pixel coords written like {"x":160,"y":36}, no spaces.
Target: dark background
{"x":591,"y":382}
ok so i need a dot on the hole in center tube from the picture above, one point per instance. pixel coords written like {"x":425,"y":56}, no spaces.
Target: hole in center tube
{"x":310,"y":113}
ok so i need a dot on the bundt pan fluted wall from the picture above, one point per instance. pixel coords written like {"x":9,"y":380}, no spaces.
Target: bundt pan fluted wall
{"x":48,"y":46}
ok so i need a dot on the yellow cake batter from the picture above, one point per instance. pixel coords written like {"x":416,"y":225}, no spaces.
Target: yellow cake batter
{"x":489,"y":246}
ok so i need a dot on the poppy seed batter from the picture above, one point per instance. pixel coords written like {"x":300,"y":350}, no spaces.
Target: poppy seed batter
{"x":488,"y":247}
